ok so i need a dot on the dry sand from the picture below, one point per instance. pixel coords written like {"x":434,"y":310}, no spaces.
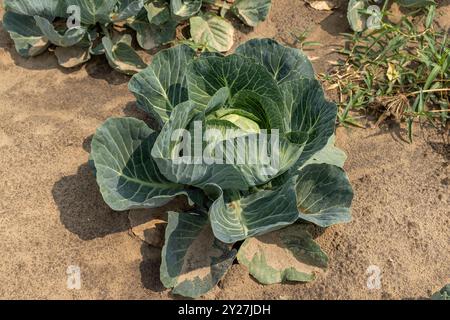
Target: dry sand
{"x":52,"y":215}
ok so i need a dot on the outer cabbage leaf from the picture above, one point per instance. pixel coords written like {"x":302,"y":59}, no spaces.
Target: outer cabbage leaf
{"x":207,"y":75}
{"x":29,"y":46}
{"x":443,"y":294}
{"x":158,"y":12}
{"x":121,"y":56}
{"x":289,"y":254}
{"x":251,"y":12}
{"x":309,"y":116}
{"x":73,"y":56}
{"x":320,"y":194}
{"x":70,"y":38}
{"x":235,"y":217}
{"x":162,"y":85}
{"x":193,"y":261}
{"x":20,"y":24}
{"x":213,"y":31}
{"x":283,"y":63}
{"x":183,"y":9}
{"x":28,"y":38}
{"x":44,"y":8}
{"x":150,"y":36}
{"x":127,"y":9}
{"x":90,"y":37}
{"x":125,"y":171}
{"x":330,"y":154}
{"x":356,"y":19}
{"x":324,"y":195}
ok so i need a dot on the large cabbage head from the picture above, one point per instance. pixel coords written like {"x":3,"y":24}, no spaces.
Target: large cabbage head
{"x":248,"y":138}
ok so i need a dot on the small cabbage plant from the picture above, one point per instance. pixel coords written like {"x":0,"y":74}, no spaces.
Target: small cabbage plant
{"x":80,"y":29}
{"x":443,"y":294}
{"x":366,"y":14}
{"x":256,"y":202}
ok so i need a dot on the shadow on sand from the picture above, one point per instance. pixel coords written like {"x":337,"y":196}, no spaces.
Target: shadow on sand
{"x":84,"y":213}
{"x":82,"y":209}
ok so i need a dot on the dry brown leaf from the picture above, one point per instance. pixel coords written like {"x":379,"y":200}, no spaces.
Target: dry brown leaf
{"x":323,"y":5}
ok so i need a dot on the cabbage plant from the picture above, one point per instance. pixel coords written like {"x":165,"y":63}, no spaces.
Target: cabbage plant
{"x":252,"y":210}
{"x":443,"y":294}
{"x":80,"y":29}
{"x":359,"y":12}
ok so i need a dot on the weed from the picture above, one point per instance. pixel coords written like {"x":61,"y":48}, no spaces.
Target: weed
{"x":399,"y":70}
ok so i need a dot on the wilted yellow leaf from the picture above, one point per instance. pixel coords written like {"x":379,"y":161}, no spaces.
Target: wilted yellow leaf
{"x":392,"y":74}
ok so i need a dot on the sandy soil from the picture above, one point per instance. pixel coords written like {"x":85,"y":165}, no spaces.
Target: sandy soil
{"x":52,"y":215}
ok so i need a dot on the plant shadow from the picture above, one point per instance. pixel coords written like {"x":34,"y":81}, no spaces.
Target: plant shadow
{"x":82,"y":209}
{"x":440,"y":142}
{"x":441,"y":148}
{"x":99,"y":68}
{"x":84,"y":213}
{"x":149,"y":268}
{"x":132,"y":110}
{"x":335,"y":23}
{"x":394,"y":129}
